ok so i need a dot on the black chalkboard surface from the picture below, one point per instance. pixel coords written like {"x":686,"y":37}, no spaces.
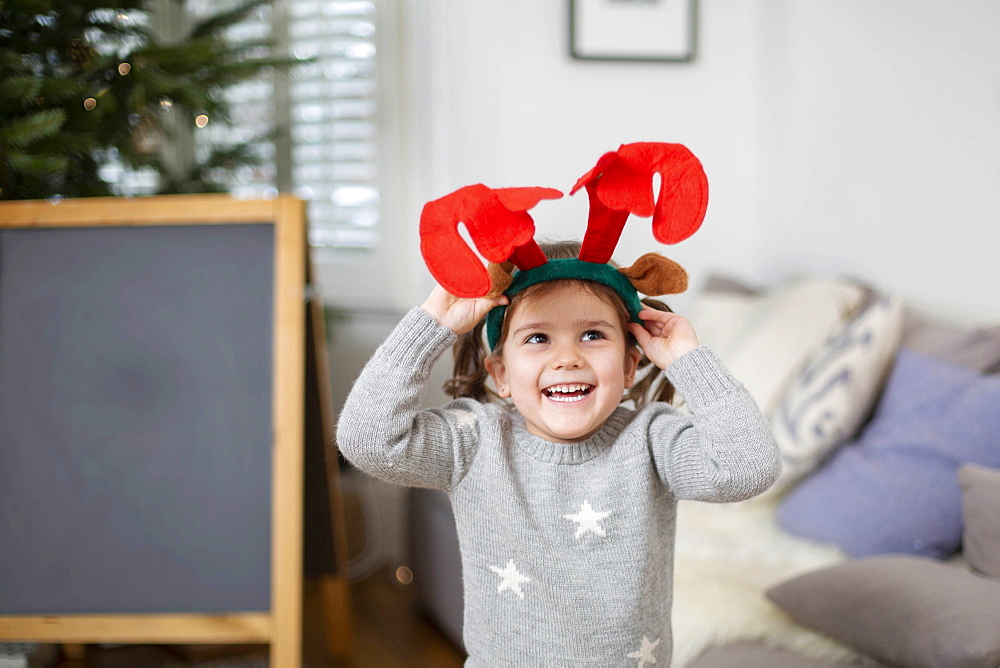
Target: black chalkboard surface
{"x":151,"y":358}
{"x":135,"y":392}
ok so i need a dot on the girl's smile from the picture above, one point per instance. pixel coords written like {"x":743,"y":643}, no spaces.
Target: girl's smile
{"x":568,"y":393}
{"x":565,"y":363}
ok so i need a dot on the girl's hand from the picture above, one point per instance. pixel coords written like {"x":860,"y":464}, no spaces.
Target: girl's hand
{"x":663,"y":336}
{"x":459,"y":315}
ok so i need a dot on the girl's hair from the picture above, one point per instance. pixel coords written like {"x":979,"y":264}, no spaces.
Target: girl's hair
{"x":469,"y":374}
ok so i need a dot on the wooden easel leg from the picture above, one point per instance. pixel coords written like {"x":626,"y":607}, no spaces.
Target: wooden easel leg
{"x":75,"y":652}
{"x":335,"y":599}
{"x":332,"y":589}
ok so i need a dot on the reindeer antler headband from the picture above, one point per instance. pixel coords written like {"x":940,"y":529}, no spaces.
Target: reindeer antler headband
{"x":620,"y":184}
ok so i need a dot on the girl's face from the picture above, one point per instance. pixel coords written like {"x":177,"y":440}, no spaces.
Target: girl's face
{"x":565,"y":363}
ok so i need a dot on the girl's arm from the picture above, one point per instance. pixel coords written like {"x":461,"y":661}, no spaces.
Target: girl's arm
{"x":382,"y":429}
{"x":724,"y":451}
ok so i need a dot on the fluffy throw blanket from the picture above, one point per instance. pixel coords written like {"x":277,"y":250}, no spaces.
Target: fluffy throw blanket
{"x":727,"y":556}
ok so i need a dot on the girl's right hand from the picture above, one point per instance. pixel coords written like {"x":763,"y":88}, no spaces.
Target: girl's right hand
{"x":663,"y":336}
{"x":457,"y":314}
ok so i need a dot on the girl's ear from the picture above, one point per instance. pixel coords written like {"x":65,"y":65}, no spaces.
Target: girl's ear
{"x":498,"y":372}
{"x":632,"y":357}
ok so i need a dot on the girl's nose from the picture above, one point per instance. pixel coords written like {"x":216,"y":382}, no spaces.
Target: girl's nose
{"x":567,"y":356}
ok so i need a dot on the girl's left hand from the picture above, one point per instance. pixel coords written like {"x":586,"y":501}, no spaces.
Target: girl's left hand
{"x":663,"y":336}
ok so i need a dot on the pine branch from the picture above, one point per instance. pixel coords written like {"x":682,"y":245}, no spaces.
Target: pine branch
{"x":181,"y":57}
{"x":37,"y":165}
{"x":19,"y":91}
{"x":26,"y":130}
{"x":27,"y":7}
{"x":56,"y":90}
{"x":115,"y":33}
{"x":71,"y":143}
{"x":226,"y":19}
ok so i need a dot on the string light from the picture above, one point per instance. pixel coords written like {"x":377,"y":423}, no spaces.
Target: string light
{"x":201,"y":120}
{"x":124,"y":68}
{"x":404,"y":575}
{"x":89,"y":104}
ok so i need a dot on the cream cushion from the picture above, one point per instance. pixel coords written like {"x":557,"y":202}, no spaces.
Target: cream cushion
{"x":765,"y":338}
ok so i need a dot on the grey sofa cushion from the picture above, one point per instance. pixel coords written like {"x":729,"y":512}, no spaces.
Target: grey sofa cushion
{"x":908,"y":611}
{"x":747,"y":653}
{"x":981,"y":517}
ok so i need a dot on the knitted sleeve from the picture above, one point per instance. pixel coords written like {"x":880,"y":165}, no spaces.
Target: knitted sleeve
{"x":382,"y":429}
{"x":724,"y":451}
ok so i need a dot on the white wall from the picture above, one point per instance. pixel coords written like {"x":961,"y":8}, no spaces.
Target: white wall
{"x":840,"y":136}
{"x":882,"y":146}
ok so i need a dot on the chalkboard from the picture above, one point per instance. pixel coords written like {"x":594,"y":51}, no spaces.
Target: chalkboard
{"x":151,"y":380}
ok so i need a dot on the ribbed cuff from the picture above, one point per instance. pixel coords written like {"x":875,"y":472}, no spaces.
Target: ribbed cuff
{"x":417,"y":342}
{"x":701,"y":378}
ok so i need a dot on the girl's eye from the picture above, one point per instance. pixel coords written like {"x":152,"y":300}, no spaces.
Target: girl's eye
{"x":592,"y":335}
{"x":537,"y":338}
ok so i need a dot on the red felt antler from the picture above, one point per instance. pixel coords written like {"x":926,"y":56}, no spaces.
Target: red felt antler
{"x":622,"y":183}
{"x":499,"y":225}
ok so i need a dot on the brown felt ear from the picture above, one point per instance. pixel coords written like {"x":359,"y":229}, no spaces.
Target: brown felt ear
{"x":500,"y":278}
{"x":653,"y":275}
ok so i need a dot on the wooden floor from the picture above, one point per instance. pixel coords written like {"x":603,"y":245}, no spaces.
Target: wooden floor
{"x":388,"y":632}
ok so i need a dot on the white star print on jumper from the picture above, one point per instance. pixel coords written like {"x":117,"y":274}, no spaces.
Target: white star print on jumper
{"x":645,"y":653}
{"x":463,"y":419}
{"x":587,"y":520}
{"x":510,"y":578}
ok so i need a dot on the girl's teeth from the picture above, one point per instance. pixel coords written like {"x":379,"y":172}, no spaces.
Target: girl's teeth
{"x":568,"y":393}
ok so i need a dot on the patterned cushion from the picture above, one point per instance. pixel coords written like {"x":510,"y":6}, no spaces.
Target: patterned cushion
{"x":765,"y":337}
{"x":836,"y":391}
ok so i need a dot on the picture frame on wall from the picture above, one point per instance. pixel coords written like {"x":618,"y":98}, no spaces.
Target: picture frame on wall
{"x":633,"y":30}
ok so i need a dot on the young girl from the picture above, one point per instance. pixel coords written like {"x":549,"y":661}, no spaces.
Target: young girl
{"x":564,"y":503}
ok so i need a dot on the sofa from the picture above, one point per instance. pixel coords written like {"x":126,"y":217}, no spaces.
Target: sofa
{"x":879,"y":544}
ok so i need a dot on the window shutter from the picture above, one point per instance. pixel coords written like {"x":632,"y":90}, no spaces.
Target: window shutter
{"x":333,"y":120}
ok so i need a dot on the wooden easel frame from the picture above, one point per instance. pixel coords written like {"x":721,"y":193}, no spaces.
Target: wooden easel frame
{"x":281,"y":626}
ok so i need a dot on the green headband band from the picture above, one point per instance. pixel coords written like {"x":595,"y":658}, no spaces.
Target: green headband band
{"x":560,"y":269}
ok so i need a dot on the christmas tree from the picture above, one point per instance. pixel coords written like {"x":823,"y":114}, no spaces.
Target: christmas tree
{"x":84,"y":83}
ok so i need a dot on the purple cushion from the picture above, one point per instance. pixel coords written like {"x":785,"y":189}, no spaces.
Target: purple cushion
{"x":895,"y":488}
